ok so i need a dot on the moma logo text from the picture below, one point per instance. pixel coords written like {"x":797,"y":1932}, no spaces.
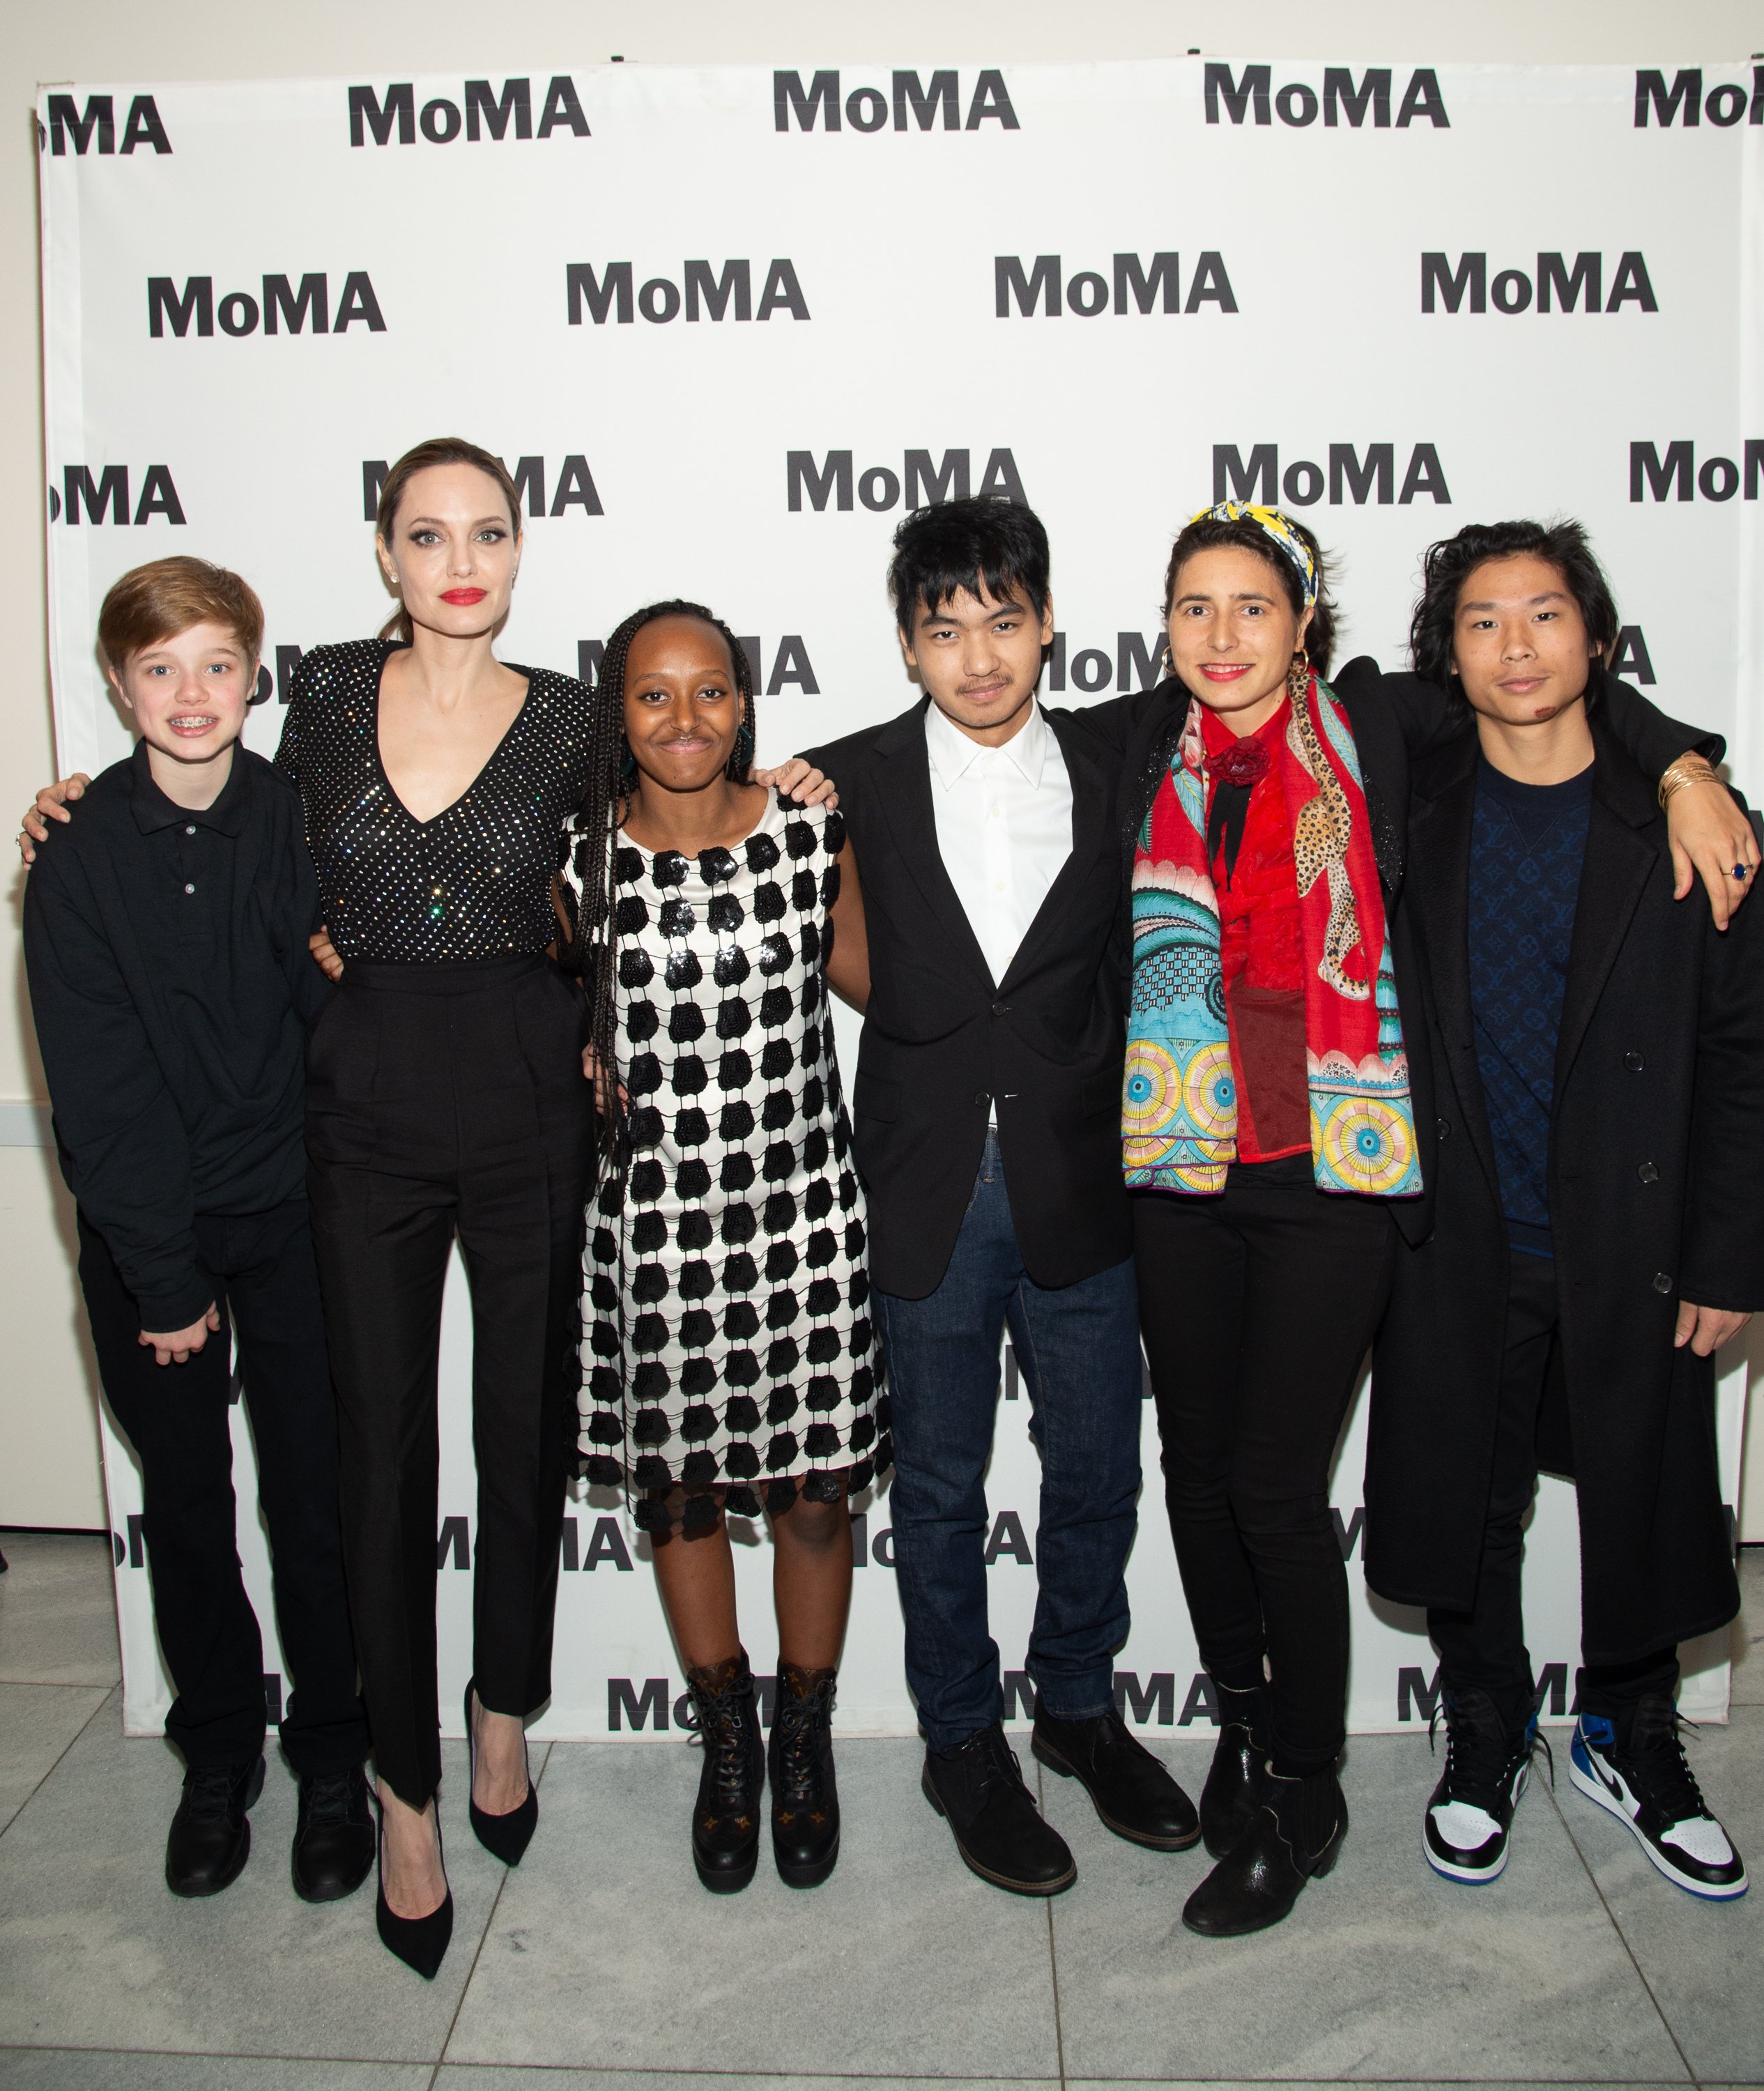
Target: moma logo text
{"x":1130,"y":286}
{"x":878,"y":487}
{"x":1255,"y":98}
{"x":913,"y":103}
{"x":1560,"y":285}
{"x":1685,"y":104}
{"x":285,"y":307}
{"x":1669,"y":471}
{"x":484,"y":116}
{"x":709,"y":293}
{"x":103,"y":496}
{"x":97,"y":125}
{"x":1351,"y":476}
{"x":572,"y":487}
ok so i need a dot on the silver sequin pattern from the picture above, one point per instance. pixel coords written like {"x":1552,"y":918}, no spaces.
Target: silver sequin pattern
{"x":474,"y":883}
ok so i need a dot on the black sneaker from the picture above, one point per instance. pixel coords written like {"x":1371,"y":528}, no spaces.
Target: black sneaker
{"x":332,"y":1835}
{"x":1643,"y":1779}
{"x":1469,"y":1816}
{"x":210,"y":1836}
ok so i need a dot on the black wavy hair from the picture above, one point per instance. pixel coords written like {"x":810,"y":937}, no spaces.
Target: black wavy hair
{"x":993,"y":548}
{"x":592,"y":949}
{"x":1447,"y":565}
{"x":1206,"y":534}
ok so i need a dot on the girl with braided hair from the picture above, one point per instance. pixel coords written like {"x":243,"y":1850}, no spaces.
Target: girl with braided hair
{"x":729,"y":1359}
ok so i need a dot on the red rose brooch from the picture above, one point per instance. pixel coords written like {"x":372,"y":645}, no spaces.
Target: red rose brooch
{"x":1244,"y":762}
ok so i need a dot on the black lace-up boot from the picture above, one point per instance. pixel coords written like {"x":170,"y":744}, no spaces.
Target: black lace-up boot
{"x":1630,"y":1761}
{"x":805,"y":1795}
{"x":977,"y":1788}
{"x":1488,"y":1760}
{"x":1296,"y":1836}
{"x":332,"y":1835}
{"x":725,"y":1823}
{"x":210,"y":1836}
{"x":1237,"y":1778}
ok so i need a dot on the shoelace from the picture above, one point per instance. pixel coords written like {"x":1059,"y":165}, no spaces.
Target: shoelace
{"x":799,"y":1765}
{"x":1657,"y":1766}
{"x":1479,"y":1757}
{"x":327,"y":1798}
{"x":721,"y":1732}
{"x":209,"y":1794}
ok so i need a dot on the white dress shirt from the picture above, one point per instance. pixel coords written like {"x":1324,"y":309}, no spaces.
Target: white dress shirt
{"x":1003,"y":826}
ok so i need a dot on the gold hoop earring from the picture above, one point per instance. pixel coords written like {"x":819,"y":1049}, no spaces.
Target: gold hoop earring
{"x":1298,"y":678}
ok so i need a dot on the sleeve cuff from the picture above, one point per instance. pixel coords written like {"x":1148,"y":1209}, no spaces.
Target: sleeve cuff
{"x":163,"y":1312}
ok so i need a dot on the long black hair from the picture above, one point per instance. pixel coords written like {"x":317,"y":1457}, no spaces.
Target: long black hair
{"x":592,"y":949}
{"x":1447,"y":565}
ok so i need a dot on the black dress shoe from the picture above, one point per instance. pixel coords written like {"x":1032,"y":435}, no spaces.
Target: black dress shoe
{"x":1296,"y":1837}
{"x":977,"y":1788}
{"x":211,"y":1838}
{"x":506,"y":1836}
{"x":1237,"y":1778}
{"x":332,"y":1835}
{"x":805,"y":1797}
{"x":420,"y":1942}
{"x":1135,"y":1794}
{"x":731,"y":1786}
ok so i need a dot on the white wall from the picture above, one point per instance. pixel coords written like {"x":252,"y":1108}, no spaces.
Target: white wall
{"x":48,"y":1469}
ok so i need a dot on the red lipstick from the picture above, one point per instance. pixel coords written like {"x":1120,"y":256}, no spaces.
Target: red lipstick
{"x":464,"y":598}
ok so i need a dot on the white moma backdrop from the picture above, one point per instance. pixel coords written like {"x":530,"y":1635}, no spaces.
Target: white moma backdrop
{"x":728,"y":324}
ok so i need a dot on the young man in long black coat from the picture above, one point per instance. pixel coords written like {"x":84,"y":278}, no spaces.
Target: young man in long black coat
{"x":1598,"y":1232}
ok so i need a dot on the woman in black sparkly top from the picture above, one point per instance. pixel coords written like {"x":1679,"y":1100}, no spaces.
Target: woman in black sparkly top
{"x":444,"y":1096}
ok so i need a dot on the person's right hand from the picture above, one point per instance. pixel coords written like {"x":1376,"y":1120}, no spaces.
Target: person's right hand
{"x":51,"y":804}
{"x":325,"y":955}
{"x":591,"y":1070}
{"x":178,"y":1345}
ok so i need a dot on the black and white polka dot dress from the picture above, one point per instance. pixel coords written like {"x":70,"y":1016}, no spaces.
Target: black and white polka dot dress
{"x":728,"y":1344}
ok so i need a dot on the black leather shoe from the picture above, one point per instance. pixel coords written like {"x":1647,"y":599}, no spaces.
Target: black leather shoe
{"x":805,"y":1795}
{"x":1134,"y":1793}
{"x":726,"y":1821}
{"x":1296,"y":1837}
{"x":505,"y":1836}
{"x":1237,"y":1778}
{"x":420,"y":1942}
{"x":211,"y":1838}
{"x":977,"y":1788}
{"x":332,"y":1835}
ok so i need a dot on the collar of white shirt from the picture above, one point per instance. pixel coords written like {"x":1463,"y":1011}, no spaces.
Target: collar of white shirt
{"x":953,"y":753}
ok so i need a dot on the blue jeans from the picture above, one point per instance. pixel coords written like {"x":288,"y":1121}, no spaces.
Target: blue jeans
{"x":1078,"y":1348}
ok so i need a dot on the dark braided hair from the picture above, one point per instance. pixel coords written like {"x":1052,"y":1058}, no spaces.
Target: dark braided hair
{"x":593,"y":951}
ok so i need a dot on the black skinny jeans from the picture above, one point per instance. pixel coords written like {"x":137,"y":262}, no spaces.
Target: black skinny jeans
{"x":1257,"y":1307}
{"x":179,"y":1420}
{"x":446,"y":1099}
{"x":1485,"y":1648}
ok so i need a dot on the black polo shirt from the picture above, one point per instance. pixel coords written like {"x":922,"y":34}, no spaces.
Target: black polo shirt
{"x":172,"y":986}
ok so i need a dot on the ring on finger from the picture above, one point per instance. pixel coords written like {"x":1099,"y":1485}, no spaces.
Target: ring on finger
{"x":1742,"y":872}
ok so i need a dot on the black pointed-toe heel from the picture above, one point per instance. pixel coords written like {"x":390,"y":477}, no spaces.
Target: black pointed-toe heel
{"x":504,"y":1837}
{"x":420,"y":1942}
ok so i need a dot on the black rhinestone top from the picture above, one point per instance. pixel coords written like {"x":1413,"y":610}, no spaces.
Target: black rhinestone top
{"x":474,"y":883}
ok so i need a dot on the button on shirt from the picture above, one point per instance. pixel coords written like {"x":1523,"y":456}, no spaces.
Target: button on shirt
{"x":1003,"y":826}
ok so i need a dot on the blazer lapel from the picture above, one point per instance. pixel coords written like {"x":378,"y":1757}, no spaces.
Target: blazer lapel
{"x":1619,"y":856}
{"x":1438,"y":885}
{"x":1090,"y":832}
{"x":904,"y":792}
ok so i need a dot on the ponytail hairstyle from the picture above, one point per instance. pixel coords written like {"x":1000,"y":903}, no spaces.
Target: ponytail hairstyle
{"x":1209,"y":531}
{"x":593,"y":952}
{"x":437,"y":450}
{"x":1446,"y":566}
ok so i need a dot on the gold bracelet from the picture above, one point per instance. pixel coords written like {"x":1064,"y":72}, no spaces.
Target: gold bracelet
{"x":1688,"y":769}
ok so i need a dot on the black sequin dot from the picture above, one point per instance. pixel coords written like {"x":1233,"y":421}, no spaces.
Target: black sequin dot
{"x":804,"y":890}
{"x":824,"y":1347}
{"x":823,"y":1393}
{"x":774,"y":954}
{"x":648,"y":1182}
{"x":649,"y":1334}
{"x":695,"y":1229}
{"x":692,"y":1128}
{"x":730,"y":968}
{"x":668,"y":868}
{"x":824,"y":1296}
{"x":779,"y":1163}
{"x":775,"y":1006}
{"x":649,"y":1426}
{"x":823,"y":1246}
{"x":781,"y":1261}
{"x":781,"y":1404}
{"x":652,"y":1473}
{"x":683,"y":970}
{"x":678,"y":918}
{"x":627,"y":865}
{"x":808,"y":943}
{"x":799,"y":840}
{"x":823,"y":1442}
{"x":742,"y":1462}
{"x":741,"y":1319}
{"x":691,"y":1076}
{"x":697,"y":1279}
{"x":648,"y":1232}
{"x":643,"y":1020}
{"x":649,"y":1284}
{"x":685,"y":1022}
{"x":814,"y":1098}
{"x":644,"y":1076}
{"x":740,"y":1272}
{"x":645,"y":1127}
{"x":698,"y":1422}
{"x":630,"y":915}
{"x":818,"y":1199}
{"x":697,"y":1376}
{"x":780,"y":1214}
{"x":699,"y":1469}
{"x":779,"y":1110}
{"x":698,"y":1329}
{"x":736,"y":1122}
{"x":716,"y":865}
{"x":761,"y":853}
{"x":814,"y":1151}
{"x":735,"y":1019}
{"x":740,"y":1368}
{"x":782,"y":1359}
{"x":692,"y":1180}
{"x":725,"y":912}
{"x":782,"y":1309}
{"x":777,"y":1060}
{"x":735,"y":1071}
{"x":604,"y":1294}
{"x":743,"y":1412}
{"x":737,"y":1173}
{"x":769,"y":904}
{"x":604,"y":1428}
{"x":781,"y":1451}
{"x":635,"y":969}
{"x":738,"y":1225}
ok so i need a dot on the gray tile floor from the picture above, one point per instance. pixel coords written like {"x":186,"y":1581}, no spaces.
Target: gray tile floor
{"x":600,"y":1964}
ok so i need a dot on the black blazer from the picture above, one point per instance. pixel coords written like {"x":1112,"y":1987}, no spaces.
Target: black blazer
{"x":942,"y":1039}
{"x":1656,"y":1156}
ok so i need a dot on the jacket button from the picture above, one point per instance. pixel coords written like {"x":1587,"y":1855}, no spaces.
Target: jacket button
{"x":1634,"y":1062}
{"x":1663,"y":1281}
{"x":984,"y":1096}
{"x":1444,"y":1128}
{"x":1647,"y":1173}
{"x":1001,"y":1009}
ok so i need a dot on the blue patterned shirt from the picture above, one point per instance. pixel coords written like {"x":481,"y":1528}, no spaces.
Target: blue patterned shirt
{"x":1527,"y":848}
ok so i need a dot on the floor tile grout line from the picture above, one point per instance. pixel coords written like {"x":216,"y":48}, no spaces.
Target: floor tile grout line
{"x":1611,"y":1915}
{"x":104,"y":1700}
{"x":1053,"y":1957}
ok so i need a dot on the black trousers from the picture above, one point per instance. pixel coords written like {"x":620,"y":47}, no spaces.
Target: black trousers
{"x":1485,"y":1648}
{"x":445,"y":1101}
{"x":177,"y":1419}
{"x":1257,"y":1307}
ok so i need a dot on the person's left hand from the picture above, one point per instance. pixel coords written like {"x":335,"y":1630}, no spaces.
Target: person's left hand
{"x":325,"y":955}
{"x":1709,"y":834}
{"x":1705,"y":1329}
{"x":801,"y":781}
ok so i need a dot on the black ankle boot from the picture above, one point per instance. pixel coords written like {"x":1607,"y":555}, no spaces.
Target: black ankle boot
{"x":725,"y":1823}
{"x":805,"y":1797}
{"x":1237,"y":1780}
{"x":1296,"y":1836}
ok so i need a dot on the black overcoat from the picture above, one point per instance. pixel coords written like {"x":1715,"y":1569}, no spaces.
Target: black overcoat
{"x":1656,"y":1172}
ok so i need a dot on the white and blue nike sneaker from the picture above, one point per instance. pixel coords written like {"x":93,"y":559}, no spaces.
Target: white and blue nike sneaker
{"x":1643,"y":1778}
{"x":1470,"y":1814}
